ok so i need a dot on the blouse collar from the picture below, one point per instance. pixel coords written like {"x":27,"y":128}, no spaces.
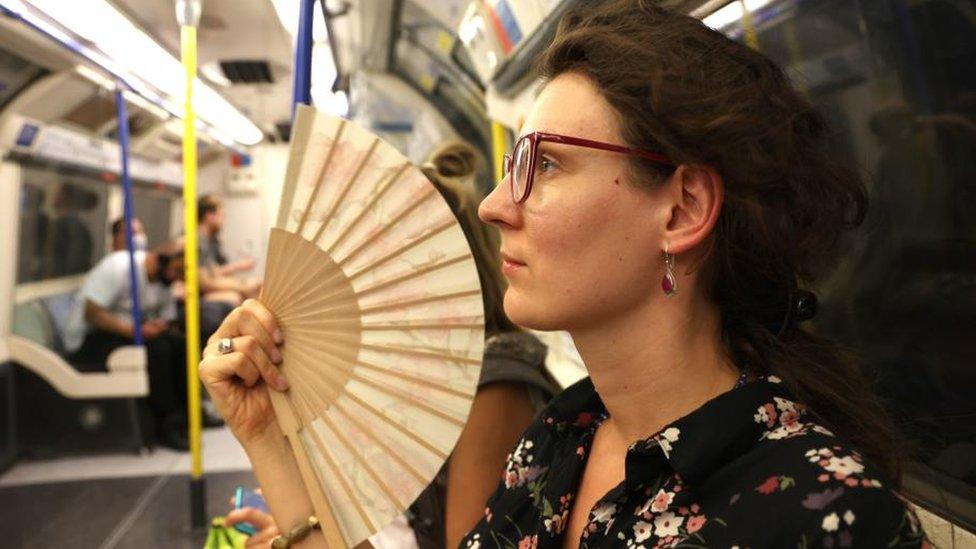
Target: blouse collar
{"x":700,"y":443}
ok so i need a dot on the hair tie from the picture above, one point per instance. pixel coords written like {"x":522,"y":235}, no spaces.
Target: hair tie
{"x":802,"y":306}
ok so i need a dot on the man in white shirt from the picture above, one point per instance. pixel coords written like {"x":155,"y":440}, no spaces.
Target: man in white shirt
{"x":101,"y":321}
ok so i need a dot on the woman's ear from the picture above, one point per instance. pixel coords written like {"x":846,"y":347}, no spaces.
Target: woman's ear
{"x":696,"y":192}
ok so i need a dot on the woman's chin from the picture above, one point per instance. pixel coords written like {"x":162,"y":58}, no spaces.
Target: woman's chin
{"x":531,"y":314}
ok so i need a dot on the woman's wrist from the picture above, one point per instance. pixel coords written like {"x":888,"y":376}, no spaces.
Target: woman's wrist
{"x":270,"y":443}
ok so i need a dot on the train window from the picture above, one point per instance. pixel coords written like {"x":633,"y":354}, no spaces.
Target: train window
{"x":153,"y":206}
{"x":62,"y":224}
{"x":896,"y":80}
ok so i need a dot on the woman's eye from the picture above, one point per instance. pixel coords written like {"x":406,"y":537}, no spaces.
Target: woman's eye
{"x":546,"y":165}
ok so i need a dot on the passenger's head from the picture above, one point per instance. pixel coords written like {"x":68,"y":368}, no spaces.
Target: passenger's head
{"x":451,"y":167}
{"x":753,"y":203}
{"x":139,"y":239}
{"x":164,"y":263}
{"x":210,"y":213}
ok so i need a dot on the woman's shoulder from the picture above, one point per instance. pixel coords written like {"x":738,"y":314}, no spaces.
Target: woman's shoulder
{"x":774,"y":470}
{"x":822,"y":491}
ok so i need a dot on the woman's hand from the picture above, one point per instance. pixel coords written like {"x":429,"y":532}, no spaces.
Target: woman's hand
{"x":238,"y":382}
{"x":265,"y":524}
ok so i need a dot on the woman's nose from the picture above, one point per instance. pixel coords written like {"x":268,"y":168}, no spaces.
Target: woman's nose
{"x":497,"y":208}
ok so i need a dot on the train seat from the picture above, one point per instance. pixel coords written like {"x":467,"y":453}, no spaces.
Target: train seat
{"x":87,"y":407}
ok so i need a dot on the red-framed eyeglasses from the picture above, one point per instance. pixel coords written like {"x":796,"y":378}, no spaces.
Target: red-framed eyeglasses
{"x":521,"y":162}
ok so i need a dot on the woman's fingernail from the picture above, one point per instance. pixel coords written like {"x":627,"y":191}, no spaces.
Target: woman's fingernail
{"x":275,"y":356}
{"x":279,"y":337}
{"x":281,"y":383}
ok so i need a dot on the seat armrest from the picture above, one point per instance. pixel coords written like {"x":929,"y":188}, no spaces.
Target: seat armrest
{"x":129,"y":358}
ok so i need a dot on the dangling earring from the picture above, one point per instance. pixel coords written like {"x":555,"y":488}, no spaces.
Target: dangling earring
{"x":669,"y":283}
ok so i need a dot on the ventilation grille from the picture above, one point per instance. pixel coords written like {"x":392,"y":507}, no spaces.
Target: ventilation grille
{"x":247,"y":71}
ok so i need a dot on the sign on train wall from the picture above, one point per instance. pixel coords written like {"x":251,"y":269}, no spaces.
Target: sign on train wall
{"x":34,"y":138}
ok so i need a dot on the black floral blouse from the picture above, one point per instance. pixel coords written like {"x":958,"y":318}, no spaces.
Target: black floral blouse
{"x":747,"y":469}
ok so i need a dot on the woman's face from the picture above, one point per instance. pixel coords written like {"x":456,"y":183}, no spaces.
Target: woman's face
{"x":586,"y":245}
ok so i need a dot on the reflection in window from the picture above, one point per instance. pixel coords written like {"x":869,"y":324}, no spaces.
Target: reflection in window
{"x":62,"y":221}
{"x":897,"y":81}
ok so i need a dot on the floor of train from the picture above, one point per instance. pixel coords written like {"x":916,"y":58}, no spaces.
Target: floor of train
{"x":117,"y":501}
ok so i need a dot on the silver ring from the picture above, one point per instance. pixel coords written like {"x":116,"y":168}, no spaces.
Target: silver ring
{"x":225,"y":345}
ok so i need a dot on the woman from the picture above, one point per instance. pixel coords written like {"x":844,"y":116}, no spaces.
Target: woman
{"x":512,"y":388}
{"x":668,"y":233}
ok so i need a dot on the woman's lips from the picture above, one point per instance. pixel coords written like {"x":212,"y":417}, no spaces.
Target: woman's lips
{"x":510,"y":265}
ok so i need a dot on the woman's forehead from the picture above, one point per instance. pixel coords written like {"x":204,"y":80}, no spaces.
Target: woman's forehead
{"x":571,"y":105}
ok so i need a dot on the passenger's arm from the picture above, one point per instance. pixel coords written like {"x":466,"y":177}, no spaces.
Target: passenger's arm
{"x":499,"y":415}
{"x":98,"y":316}
{"x":211,"y":282}
{"x":101,"y":318}
{"x":234,"y":267}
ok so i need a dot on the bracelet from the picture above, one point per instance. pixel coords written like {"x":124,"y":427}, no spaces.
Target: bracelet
{"x":298,"y":533}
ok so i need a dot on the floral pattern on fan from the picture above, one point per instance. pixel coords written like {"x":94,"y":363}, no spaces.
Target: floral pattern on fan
{"x":372,"y":281}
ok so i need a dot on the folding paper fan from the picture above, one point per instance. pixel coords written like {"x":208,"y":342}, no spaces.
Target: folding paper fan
{"x":377,"y":293}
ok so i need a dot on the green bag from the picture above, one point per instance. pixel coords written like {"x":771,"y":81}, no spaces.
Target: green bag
{"x":222,"y":537}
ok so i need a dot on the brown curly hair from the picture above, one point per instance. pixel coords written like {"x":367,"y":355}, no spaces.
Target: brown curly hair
{"x":690,"y":92}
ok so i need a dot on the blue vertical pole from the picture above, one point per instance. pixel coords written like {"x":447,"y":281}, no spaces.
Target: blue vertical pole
{"x":302,"y":91}
{"x":127,"y":192}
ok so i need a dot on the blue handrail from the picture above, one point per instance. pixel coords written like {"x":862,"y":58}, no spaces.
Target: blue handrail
{"x":127,"y":192}
{"x":302,"y":90}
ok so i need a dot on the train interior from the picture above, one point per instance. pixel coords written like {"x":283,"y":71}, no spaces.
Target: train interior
{"x":81,"y":465}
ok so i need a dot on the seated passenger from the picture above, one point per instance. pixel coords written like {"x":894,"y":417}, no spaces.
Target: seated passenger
{"x":101,"y":321}
{"x":217,"y":280}
{"x":139,"y":239}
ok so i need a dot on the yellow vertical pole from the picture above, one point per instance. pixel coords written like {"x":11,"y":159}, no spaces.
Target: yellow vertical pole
{"x":499,"y":146}
{"x":188,"y":49}
{"x":749,"y":26}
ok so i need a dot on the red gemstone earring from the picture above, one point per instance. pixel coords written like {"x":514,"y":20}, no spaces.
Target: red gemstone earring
{"x":669,"y":283}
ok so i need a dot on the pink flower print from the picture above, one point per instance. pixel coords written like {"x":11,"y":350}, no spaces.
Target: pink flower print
{"x":695,"y":523}
{"x":661,"y":501}
{"x":824,"y":477}
{"x":487,"y":514}
{"x":529,"y":542}
{"x":766,"y":414}
{"x":564,"y":501}
{"x":852,"y":482}
{"x":580,"y":451}
{"x":791,"y":421}
{"x":695,"y":508}
{"x":557,"y":523}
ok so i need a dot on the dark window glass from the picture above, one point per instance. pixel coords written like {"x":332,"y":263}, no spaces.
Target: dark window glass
{"x":62,"y":224}
{"x":897,"y":81}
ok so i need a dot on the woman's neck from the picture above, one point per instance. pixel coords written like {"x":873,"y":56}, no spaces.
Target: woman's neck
{"x":656,"y":364}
